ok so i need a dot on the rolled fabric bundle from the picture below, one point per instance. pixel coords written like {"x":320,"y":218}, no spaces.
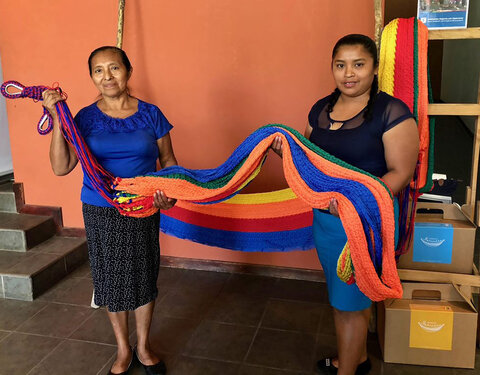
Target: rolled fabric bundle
{"x":403,"y":73}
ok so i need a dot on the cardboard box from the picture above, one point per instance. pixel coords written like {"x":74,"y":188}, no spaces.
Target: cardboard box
{"x":431,"y":325}
{"x":443,"y":240}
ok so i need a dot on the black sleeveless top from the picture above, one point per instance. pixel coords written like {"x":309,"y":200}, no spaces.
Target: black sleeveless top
{"x":358,"y":142}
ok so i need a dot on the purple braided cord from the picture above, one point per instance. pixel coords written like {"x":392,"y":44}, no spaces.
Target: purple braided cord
{"x":32,"y":92}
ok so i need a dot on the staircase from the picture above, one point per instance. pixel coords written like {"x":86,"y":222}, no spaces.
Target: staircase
{"x":36,"y":251}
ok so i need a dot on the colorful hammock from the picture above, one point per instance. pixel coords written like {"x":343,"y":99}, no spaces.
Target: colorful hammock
{"x":364,"y":201}
{"x":273,"y":221}
{"x":403,"y":73}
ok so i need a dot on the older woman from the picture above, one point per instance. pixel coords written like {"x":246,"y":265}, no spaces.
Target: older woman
{"x":127,"y":136}
{"x":372,"y":131}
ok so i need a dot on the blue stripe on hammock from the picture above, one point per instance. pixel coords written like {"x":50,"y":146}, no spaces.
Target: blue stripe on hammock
{"x":289,"y":240}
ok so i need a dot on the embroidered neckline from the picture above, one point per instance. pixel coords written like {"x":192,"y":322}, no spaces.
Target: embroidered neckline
{"x":100,"y":121}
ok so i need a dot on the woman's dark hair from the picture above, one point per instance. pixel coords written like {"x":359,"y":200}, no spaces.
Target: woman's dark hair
{"x":371,"y":48}
{"x":121,"y":52}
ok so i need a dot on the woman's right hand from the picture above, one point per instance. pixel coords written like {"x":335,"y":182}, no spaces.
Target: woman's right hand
{"x":161,"y":201}
{"x":50,"y":98}
{"x":277,"y":146}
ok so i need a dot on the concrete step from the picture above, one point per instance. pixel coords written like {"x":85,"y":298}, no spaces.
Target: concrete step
{"x":20,"y":232}
{"x":26,"y":275}
{"x":7,"y":197}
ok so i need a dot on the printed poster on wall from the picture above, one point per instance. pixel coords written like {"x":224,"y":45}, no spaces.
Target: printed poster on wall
{"x":443,"y":14}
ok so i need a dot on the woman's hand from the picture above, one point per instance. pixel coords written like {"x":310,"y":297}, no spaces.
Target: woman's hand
{"x":62,"y":156}
{"x":333,"y":207}
{"x":50,"y":98}
{"x":277,"y":146}
{"x":160,"y":200}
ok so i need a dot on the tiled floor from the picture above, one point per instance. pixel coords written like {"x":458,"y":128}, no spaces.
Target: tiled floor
{"x":205,"y":323}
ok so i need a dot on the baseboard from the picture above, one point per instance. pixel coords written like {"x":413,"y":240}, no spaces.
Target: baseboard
{"x":252,"y":269}
{"x":222,"y":266}
{"x":72,"y":232}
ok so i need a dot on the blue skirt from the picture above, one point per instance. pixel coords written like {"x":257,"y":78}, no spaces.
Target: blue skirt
{"x":330,"y":238}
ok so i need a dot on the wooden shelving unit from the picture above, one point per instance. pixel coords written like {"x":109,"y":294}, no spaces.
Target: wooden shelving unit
{"x":452,"y":109}
{"x":472,"y":280}
{"x":457,"y":109}
{"x":465,"y":284}
{"x":471,"y":208}
{"x":469,"y":33}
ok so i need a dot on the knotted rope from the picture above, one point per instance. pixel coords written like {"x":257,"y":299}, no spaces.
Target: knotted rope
{"x":35,"y":93}
{"x":100,"y":178}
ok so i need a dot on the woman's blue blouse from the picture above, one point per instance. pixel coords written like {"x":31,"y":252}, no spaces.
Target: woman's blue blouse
{"x":124,"y":147}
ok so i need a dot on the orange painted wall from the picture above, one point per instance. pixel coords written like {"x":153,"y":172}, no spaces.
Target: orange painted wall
{"x":218,"y":69}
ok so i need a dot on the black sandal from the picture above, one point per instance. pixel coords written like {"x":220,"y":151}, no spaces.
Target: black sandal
{"x":364,"y":367}
{"x":325,"y":366}
{"x":158,"y":368}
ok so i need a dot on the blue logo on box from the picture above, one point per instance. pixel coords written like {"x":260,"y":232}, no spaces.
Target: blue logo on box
{"x":433,"y":243}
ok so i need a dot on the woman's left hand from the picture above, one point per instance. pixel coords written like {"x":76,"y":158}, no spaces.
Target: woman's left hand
{"x":333,"y":207}
{"x":277,"y":146}
{"x":160,"y":200}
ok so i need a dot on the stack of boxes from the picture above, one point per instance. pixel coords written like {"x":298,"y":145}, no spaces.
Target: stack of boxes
{"x":433,"y":324}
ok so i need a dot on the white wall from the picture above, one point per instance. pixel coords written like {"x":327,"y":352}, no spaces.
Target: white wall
{"x":6,"y":166}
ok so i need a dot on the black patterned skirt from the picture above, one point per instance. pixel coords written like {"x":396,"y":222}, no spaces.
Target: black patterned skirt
{"x":124,"y":257}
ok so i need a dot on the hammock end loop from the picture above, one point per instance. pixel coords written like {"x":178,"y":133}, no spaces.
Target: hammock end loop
{"x":7,"y":85}
{"x":42,"y":130}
